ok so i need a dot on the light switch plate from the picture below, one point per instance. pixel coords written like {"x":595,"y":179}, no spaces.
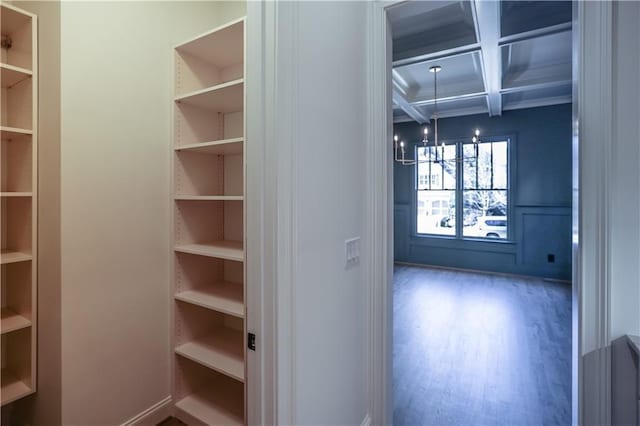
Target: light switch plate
{"x":352,"y":251}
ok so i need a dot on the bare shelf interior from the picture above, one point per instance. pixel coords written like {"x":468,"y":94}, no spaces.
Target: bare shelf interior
{"x":11,"y":75}
{"x":211,"y":283}
{"x":16,"y":225}
{"x":16,"y":26}
{"x":17,"y":105}
{"x":196,"y":125}
{"x":211,"y":59}
{"x":216,"y":225}
{"x":16,"y":365}
{"x":198,"y":174}
{"x":16,"y":159}
{"x":225,"y":98}
{"x":222,"y":351}
{"x":16,"y":296}
{"x":211,"y":339}
{"x":221,"y":47}
{"x":206,"y":396}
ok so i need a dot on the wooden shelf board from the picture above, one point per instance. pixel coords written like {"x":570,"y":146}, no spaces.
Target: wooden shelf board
{"x":13,"y":133}
{"x":11,"y":321}
{"x":12,"y":387}
{"x":10,"y":75}
{"x":209,"y":198}
{"x":221,"y":47}
{"x":221,"y":147}
{"x":230,"y":250}
{"x":10,"y":256}
{"x":221,"y":351}
{"x":16,"y":194}
{"x":213,"y":407}
{"x":224,"y":297}
{"x":225,"y":97}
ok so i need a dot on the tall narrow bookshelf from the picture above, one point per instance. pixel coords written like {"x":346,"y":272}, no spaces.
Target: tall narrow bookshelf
{"x":18,"y":197}
{"x":209,"y":309}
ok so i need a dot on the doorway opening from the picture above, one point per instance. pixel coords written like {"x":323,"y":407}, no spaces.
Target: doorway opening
{"x":482,"y":212}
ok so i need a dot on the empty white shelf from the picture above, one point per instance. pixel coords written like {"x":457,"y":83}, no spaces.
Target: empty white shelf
{"x":213,"y":407}
{"x":12,"y":74}
{"x":11,"y":321}
{"x":12,"y":387}
{"x":229,"y":250}
{"x":224,"y":297}
{"x":221,"y":47}
{"x":221,"y":351}
{"x":13,"y":133}
{"x":10,"y":256}
{"x":16,"y":194}
{"x":225,"y":97}
{"x":209,"y":197}
{"x":221,"y":147}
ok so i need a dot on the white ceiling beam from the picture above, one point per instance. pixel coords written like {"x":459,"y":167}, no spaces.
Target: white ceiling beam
{"x":448,"y":99}
{"x":487,"y":22}
{"x":538,"y":32}
{"x":434,"y":56}
{"x":399,"y":95}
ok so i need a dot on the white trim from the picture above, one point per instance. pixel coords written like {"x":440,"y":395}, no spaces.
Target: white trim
{"x":379,"y":252}
{"x":595,"y":104}
{"x":152,"y":415}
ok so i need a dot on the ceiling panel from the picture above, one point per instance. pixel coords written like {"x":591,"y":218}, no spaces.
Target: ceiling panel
{"x":537,"y":60}
{"x":423,"y":27}
{"x":520,"y":16}
{"x":460,"y":75}
{"x":537,"y":97}
{"x":457,"y":107}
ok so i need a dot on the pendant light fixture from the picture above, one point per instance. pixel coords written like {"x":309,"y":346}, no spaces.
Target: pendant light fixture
{"x":435,"y":69}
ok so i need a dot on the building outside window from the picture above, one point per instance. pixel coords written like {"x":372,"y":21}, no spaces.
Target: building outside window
{"x":478,"y":184}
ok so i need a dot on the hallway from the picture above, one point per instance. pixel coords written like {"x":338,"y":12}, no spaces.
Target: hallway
{"x":480,"y":349}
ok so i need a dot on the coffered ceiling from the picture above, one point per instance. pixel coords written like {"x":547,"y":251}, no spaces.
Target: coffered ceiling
{"x":495,"y":56}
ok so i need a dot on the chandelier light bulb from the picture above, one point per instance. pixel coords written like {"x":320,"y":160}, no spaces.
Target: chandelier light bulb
{"x":426,"y":130}
{"x":395,"y":138}
{"x":474,"y":139}
{"x":401,"y":144}
{"x":477,"y":132}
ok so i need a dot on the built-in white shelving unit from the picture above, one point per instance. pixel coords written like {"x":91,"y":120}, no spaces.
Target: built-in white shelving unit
{"x":18,"y":199}
{"x":209,"y":306}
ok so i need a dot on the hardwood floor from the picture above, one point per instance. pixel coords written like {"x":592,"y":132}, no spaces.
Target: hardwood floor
{"x":475,"y":349}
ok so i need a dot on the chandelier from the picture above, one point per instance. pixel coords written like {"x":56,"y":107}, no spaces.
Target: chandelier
{"x":399,"y":146}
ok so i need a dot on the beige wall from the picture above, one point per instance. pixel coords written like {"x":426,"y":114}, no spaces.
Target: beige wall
{"x":116,"y":116}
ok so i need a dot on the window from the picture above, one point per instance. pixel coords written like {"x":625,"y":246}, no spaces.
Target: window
{"x":474,"y":180}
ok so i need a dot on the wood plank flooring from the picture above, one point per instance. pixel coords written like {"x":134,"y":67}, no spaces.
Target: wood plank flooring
{"x":474,"y":349}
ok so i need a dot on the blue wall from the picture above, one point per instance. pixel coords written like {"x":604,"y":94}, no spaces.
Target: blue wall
{"x":540,"y":197}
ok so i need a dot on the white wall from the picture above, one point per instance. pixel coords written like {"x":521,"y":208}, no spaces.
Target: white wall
{"x":117,"y":80}
{"x":321,"y":92}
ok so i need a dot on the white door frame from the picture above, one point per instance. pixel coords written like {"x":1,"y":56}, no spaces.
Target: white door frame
{"x":592,"y":122}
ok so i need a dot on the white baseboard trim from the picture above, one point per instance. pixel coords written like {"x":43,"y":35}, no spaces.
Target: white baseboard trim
{"x":152,"y":415}
{"x":366,"y":421}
